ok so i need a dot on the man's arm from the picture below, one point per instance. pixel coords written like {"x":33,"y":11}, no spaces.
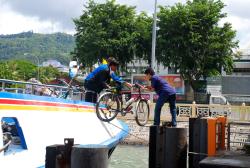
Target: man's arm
{"x":149,"y":88}
{"x":120,"y":80}
{"x":128,"y":84}
{"x":116,"y":78}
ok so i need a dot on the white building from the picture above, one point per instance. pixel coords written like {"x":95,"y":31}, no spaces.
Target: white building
{"x":56,"y":64}
{"x":242,"y":64}
{"x":137,"y":66}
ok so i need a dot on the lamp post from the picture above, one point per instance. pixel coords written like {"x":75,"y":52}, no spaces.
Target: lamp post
{"x":154,"y":38}
{"x":29,"y":55}
{"x":38,"y":63}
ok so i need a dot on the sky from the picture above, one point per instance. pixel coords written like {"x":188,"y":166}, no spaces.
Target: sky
{"x":49,"y":16}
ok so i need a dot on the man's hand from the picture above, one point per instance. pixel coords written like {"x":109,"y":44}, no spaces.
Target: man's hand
{"x":107,"y":86}
{"x":149,"y":88}
{"x":141,"y":86}
{"x":128,"y":84}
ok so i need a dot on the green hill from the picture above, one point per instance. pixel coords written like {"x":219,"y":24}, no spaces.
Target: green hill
{"x":30,"y":46}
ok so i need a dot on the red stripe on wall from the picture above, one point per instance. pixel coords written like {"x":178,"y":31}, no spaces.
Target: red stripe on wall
{"x":37,"y":103}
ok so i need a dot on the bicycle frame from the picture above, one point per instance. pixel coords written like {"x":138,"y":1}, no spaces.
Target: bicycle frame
{"x":109,"y":112}
{"x":139,"y":97}
{"x":116,"y":93}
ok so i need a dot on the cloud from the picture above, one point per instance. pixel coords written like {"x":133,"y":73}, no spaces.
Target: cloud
{"x":239,"y":8}
{"x":241,"y":25}
{"x":64,"y":10}
{"x":57,"y":12}
{"x":12,"y":22}
{"x":238,"y":14}
{"x":148,"y":5}
{"x":48,"y":16}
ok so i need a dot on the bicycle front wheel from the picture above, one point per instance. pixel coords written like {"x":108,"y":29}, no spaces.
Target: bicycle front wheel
{"x":142,"y":112}
{"x":107,"y":107}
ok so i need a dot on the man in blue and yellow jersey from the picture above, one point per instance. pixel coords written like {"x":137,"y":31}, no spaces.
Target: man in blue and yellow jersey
{"x":99,"y":79}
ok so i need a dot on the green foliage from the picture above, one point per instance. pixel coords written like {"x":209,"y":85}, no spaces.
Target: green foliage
{"x":32,"y":46}
{"x":5,"y":72}
{"x":23,"y":70}
{"x":105,"y":30}
{"x":144,"y":36}
{"x":191,"y":40}
{"x":48,"y":73}
{"x":17,"y":70}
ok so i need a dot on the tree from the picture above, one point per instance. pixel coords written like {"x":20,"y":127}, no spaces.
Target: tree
{"x":144,"y":38}
{"x":48,"y":73}
{"x":22,"y":69}
{"x":30,"y":46}
{"x":5,"y":72}
{"x":105,"y":30}
{"x":191,"y":40}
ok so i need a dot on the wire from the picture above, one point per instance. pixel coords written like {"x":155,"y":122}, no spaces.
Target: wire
{"x":128,"y":132}
{"x":5,"y":146}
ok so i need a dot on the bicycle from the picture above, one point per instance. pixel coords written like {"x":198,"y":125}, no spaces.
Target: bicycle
{"x":110,"y":103}
{"x":64,"y":92}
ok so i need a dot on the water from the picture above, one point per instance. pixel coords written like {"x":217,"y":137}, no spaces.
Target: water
{"x":129,"y":156}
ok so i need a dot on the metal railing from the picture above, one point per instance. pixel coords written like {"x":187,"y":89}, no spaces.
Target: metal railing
{"x":39,"y":89}
{"x":238,"y":134}
{"x":233,"y":113}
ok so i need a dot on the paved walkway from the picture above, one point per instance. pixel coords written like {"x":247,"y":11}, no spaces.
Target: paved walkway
{"x":140,"y":135}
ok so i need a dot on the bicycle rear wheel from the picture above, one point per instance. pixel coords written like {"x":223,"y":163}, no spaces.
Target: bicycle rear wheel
{"x":107,"y":107}
{"x":142,"y":112}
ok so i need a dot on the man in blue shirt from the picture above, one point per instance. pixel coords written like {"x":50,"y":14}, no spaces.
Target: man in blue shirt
{"x":165,"y":93}
{"x":99,"y":78}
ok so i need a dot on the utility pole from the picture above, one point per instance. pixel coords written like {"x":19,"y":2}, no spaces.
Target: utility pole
{"x":154,"y":38}
{"x":38,"y":63}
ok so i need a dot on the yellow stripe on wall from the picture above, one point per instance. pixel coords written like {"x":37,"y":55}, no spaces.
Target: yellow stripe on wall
{"x":44,"y":108}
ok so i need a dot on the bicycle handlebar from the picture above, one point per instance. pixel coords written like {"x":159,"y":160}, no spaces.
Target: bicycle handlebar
{"x":64,"y":82}
{"x":137,"y":85}
{"x":110,"y":89}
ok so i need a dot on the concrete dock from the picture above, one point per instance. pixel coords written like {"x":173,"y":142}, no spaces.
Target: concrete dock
{"x":140,"y":135}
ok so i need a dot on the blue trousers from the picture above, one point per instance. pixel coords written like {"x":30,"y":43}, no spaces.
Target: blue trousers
{"x":160,"y":102}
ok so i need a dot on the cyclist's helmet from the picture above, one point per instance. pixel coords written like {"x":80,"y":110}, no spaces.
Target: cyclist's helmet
{"x":112,"y":61}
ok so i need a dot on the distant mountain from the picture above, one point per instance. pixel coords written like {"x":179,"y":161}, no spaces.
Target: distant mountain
{"x":33,"y":46}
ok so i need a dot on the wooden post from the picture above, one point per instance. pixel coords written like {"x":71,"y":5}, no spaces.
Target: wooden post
{"x":89,"y":156}
{"x":167,"y":147}
{"x":243,"y":112}
{"x":223,"y":121}
{"x":58,"y":156}
{"x":197,"y":141}
{"x":211,"y":136}
{"x":193,"y":109}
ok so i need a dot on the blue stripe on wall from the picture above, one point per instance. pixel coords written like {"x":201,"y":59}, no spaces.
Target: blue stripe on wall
{"x":42,"y":98}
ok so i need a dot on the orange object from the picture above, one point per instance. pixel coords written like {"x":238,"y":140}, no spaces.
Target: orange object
{"x":211,"y":136}
{"x":215,"y":134}
{"x":222,"y":120}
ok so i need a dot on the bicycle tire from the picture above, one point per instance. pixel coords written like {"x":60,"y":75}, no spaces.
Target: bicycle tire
{"x":142,"y":112}
{"x":107,"y":107}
